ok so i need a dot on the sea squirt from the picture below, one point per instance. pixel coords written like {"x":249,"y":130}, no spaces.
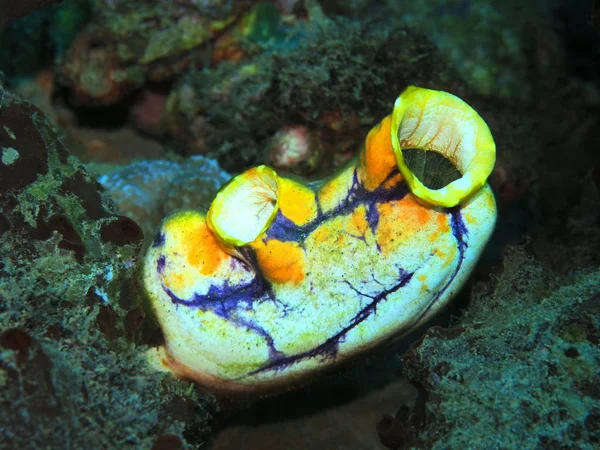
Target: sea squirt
{"x":282,"y":279}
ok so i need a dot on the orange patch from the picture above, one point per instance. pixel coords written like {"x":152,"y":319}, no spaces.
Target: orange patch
{"x":393,"y":182}
{"x":399,"y":221}
{"x":443,"y":227}
{"x":389,"y":229}
{"x":203,"y":251}
{"x":411,"y":208}
{"x":378,"y":158}
{"x":296,"y":202}
{"x":443,"y":223}
{"x":324,"y":235}
{"x":357,"y":225}
{"x":174,"y":281}
{"x":280,"y":262}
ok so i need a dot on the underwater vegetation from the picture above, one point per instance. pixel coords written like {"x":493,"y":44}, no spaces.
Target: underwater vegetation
{"x":71,"y":375}
{"x":332,"y":78}
{"x":519,"y":371}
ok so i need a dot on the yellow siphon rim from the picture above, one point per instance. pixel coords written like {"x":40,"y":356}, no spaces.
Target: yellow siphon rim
{"x":245,"y":206}
{"x":478,"y":144}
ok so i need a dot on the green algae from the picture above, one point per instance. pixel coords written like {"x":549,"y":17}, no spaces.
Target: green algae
{"x":510,"y":376}
{"x":72,"y":366}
